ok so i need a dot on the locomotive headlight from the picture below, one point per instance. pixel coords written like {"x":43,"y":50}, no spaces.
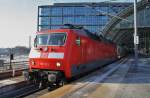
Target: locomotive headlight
{"x":45,"y":49}
{"x":32,"y":62}
{"x":58,"y":64}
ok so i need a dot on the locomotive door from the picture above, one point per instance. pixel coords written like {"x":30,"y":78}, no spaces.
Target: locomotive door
{"x":83,"y":57}
{"x":82,"y":52}
{"x":81,"y":49}
{"x":78,"y":51}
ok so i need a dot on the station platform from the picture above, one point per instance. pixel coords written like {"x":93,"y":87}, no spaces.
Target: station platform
{"x":10,"y":81}
{"x":122,"y":79}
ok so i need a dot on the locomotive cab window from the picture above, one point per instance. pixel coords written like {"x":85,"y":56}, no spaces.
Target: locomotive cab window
{"x":35,"y":42}
{"x":42,"y":39}
{"x":56,"y":39}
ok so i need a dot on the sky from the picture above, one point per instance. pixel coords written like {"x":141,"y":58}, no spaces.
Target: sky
{"x":18,"y":20}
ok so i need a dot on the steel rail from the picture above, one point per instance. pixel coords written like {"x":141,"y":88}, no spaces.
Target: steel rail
{"x":19,"y":90}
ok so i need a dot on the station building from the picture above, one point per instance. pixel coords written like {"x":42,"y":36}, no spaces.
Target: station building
{"x":54,"y":16}
{"x":121,"y":31}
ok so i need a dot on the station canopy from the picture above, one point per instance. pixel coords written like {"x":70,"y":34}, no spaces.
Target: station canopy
{"x":121,"y":31}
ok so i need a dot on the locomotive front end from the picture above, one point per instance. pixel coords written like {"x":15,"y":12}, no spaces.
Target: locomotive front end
{"x":47,"y":58}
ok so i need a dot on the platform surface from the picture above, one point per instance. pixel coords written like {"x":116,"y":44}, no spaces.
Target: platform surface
{"x":123,"y":79}
{"x":11,"y":80}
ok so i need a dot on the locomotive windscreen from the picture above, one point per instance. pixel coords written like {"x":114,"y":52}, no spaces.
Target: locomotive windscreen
{"x":51,"y":39}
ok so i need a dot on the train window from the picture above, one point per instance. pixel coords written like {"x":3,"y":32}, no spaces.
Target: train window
{"x":42,"y":39}
{"x":35,"y":42}
{"x":51,"y":39}
{"x":57,"y":39}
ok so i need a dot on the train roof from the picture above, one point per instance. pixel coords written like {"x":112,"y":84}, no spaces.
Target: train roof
{"x":82,"y":31}
{"x":79,"y":30}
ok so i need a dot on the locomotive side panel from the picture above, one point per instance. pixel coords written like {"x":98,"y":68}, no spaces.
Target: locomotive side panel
{"x":90,"y":55}
{"x":77,"y":51}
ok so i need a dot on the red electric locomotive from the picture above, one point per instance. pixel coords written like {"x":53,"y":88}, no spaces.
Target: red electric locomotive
{"x":68,"y":52}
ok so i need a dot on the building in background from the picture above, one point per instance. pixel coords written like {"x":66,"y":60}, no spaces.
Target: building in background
{"x":54,"y":16}
{"x":121,"y":32}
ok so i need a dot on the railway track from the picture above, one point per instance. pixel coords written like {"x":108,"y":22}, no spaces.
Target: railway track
{"x":8,"y":88}
{"x":9,"y":74}
{"x":19,"y":90}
